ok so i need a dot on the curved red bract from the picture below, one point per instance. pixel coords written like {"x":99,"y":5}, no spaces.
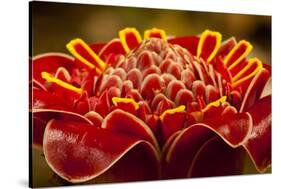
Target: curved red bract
{"x":157,"y":108}
{"x":79,"y":152}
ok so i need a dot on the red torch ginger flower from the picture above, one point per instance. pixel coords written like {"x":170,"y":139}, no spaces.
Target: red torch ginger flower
{"x":152,"y":108}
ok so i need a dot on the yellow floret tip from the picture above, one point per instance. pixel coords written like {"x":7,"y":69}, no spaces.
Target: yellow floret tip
{"x":50,"y":78}
{"x":71,"y":47}
{"x":117,"y":100}
{"x":122,"y":36}
{"x":236,"y":80}
{"x":180,"y":108}
{"x":162,"y":33}
{"x":215,"y":103}
{"x":202,"y":39}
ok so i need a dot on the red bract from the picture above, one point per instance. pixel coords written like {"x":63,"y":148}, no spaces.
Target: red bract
{"x":152,"y":108}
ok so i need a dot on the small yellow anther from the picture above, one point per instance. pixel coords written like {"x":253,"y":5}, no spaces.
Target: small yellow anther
{"x":117,"y":100}
{"x":181,"y":108}
{"x":49,"y":78}
{"x":162,"y":33}
{"x":215,"y":103}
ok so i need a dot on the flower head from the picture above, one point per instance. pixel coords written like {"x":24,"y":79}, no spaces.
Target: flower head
{"x":162,"y":106}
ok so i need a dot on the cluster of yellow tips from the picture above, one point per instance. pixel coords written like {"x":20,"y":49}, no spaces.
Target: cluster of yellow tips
{"x":130,"y":37}
{"x":238,"y":78}
{"x":233,"y":59}
{"x":210,"y":42}
{"x":181,"y":108}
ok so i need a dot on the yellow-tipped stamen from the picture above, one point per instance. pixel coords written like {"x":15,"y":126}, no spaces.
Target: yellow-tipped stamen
{"x":203,"y":37}
{"x":236,"y":80}
{"x":49,"y":78}
{"x":117,"y":100}
{"x":215,"y":103}
{"x":230,"y":54}
{"x":71,"y":47}
{"x":162,"y":33}
{"x":122,"y":36}
{"x":172,"y":111}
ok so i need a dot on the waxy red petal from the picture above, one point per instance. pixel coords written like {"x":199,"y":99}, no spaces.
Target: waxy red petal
{"x":144,"y":60}
{"x":63,"y":74}
{"x":151,"y":84}
{"x":50,"y":62}
{"x":237,"y":54}
{"x":160,"y":103}
{"x":247,"y":72}
{"x":80,"y":152}
{"x":94,"y":117}
{"x":135,"y":76}
{"x":234,"y":71}
{"x":43,"y":99}
{"x":125,"y":169}
{"x":184,"y":97}
{"x":188,"y":42}
{"x":268,"y":67}
{"x":112,"y":47}
{"x":143,"y":110}
{"x":42,"y":116}
{"x":33,"y":84}
{"x":259,"y":143}
{"x":173,"y":88}
{"x":221,"y":68}
{"x":130,"y":38}
{"x":68,"y":96}
{"x":126,"y":123}
{"x":155,"y":33}
{"x":82,"y":105}
{"x":164,"y":105}
{"x":180,"y":152}
{"x":126,"y":104}
{"x":226,"y":46}
{"x":85,"y":56}
{"x":254,"y":90}
{"x":208,"y":45}
{"x":172,"y":123}
{"x":267,"y":90}
{"x":102,"y":105}
{"x":233,"y":130}
{"x":153,"y":122}
{"x":216,"y":158}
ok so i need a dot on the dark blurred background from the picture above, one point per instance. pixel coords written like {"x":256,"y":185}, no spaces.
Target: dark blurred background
{"x":55,"y":24}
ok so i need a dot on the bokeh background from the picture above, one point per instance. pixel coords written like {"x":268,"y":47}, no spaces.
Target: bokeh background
{"x":55,"y":24}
